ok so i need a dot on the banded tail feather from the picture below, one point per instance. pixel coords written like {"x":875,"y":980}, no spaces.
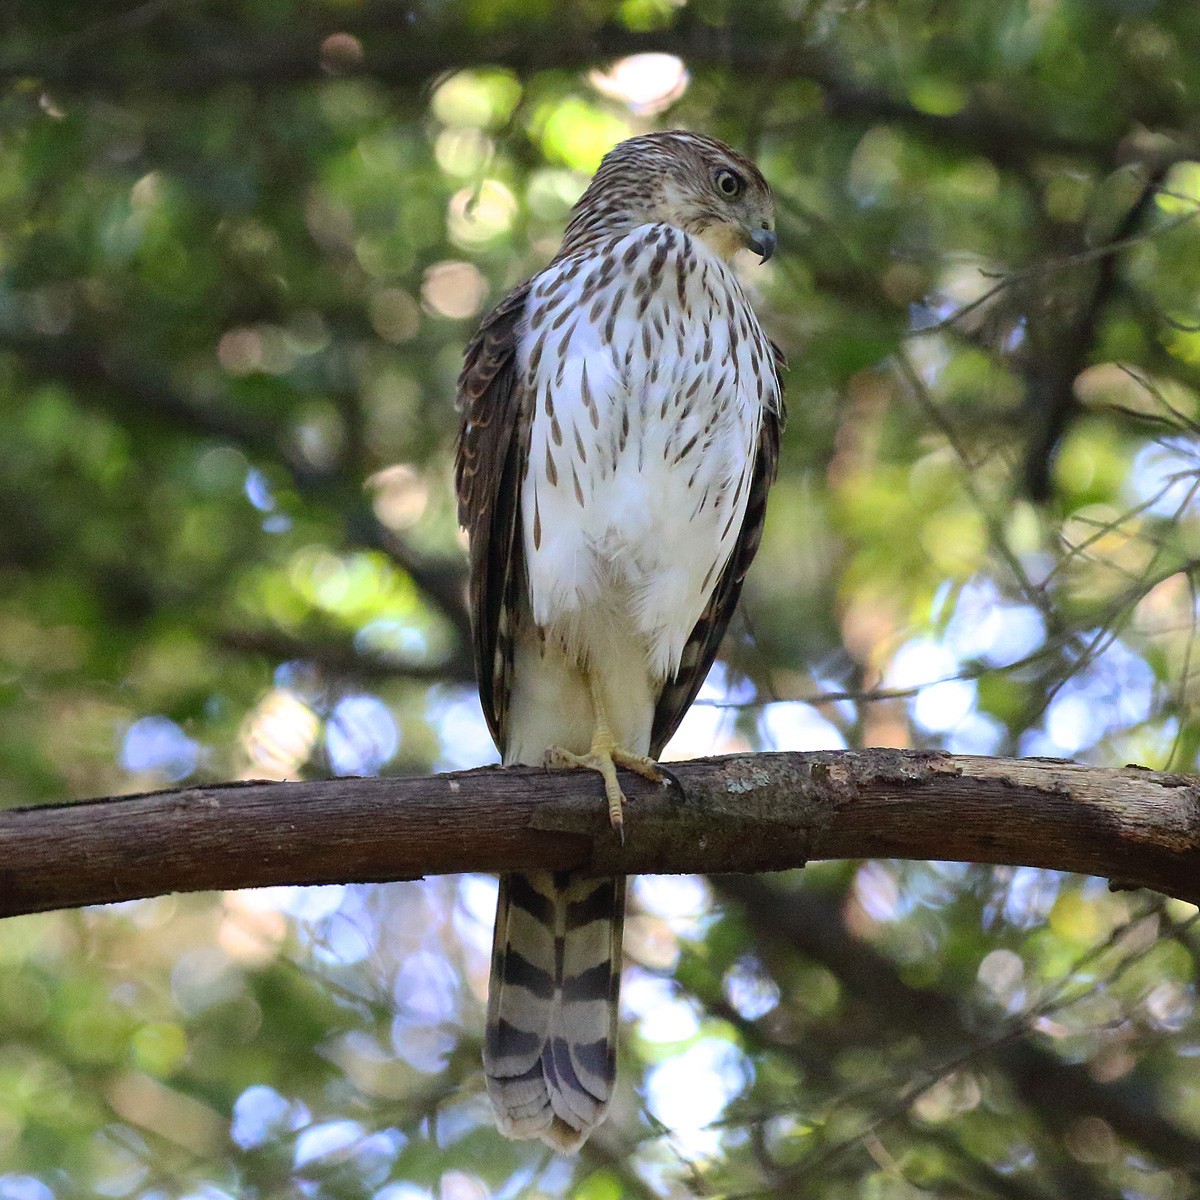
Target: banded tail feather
{"x":550,"y":1049}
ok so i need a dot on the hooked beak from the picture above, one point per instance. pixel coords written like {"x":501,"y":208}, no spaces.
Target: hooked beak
{"x":762,"y":242}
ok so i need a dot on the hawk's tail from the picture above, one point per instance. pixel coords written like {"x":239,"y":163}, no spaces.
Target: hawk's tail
{"x":550,"y":1051}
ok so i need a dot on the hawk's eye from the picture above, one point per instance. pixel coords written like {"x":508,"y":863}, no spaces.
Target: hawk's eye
{"x":729,"y":183}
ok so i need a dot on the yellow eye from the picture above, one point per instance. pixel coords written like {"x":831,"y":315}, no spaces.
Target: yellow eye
{"x":730,"y":183}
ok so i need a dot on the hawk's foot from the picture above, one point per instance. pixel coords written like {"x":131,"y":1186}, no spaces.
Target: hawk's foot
{"x":606,"y":756}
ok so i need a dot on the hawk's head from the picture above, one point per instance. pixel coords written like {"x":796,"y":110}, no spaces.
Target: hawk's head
{"x":696,"y":183}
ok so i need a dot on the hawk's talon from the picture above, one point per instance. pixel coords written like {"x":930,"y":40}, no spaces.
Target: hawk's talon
{"x":639,"y":764}
{"x":604,"y":758}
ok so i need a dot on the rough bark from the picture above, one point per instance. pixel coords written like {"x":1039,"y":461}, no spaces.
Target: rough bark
{"x":743,"y":813}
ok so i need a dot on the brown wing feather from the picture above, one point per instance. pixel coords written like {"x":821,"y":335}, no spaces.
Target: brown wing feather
{"x":701,"y":647}
{"x":490,"y":454}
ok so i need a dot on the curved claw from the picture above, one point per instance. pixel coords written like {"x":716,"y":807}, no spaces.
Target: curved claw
{"x":671,"y":778}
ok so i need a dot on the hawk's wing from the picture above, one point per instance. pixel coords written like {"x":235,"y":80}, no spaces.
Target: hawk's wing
{"x":705,"y":638}
{"x":493,"y":443}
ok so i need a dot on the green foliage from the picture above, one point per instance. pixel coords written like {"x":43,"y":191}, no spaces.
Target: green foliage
{"x":241,"y":249}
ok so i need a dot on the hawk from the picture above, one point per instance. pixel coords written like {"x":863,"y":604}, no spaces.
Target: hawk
{"x":620,"y":429}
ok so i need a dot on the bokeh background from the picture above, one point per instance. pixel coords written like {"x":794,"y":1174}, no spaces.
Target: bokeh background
{"x":242,"y":246}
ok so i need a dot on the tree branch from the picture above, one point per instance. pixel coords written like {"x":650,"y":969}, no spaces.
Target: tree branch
{"x":1050,"y":399}
{"x":742,"y":813}
{"x":1131,"y":1105}
{"x":339,"y":658}
{"x":398,"y":52}
{"x":125,"y":387}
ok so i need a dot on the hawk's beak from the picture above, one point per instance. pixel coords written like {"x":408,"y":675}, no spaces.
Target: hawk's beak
{"x":763,"y":242}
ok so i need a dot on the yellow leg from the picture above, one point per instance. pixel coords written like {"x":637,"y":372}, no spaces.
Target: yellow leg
{"x":606,"y":756}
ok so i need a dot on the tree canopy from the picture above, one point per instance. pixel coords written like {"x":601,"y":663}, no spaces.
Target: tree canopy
{"x":242,"y":247}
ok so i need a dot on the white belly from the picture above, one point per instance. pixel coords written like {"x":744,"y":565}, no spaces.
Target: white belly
{"x":647,"y":405}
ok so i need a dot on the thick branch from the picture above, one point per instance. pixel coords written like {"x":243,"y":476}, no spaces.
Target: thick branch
{"x":1050,"y":381}
{"x":743,"y":813}
{"x":398,"y":52}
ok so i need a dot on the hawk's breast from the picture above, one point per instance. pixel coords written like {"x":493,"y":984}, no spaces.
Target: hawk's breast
{"x":647,"y":373}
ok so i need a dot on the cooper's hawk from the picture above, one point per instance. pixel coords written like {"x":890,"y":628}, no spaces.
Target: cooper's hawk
{"x":621,"y":415}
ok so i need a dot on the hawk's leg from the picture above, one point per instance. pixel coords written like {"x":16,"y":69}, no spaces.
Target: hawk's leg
{"x":606,"y":756}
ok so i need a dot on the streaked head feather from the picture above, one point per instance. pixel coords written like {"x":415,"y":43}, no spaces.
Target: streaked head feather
{"x":672,"y":178}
